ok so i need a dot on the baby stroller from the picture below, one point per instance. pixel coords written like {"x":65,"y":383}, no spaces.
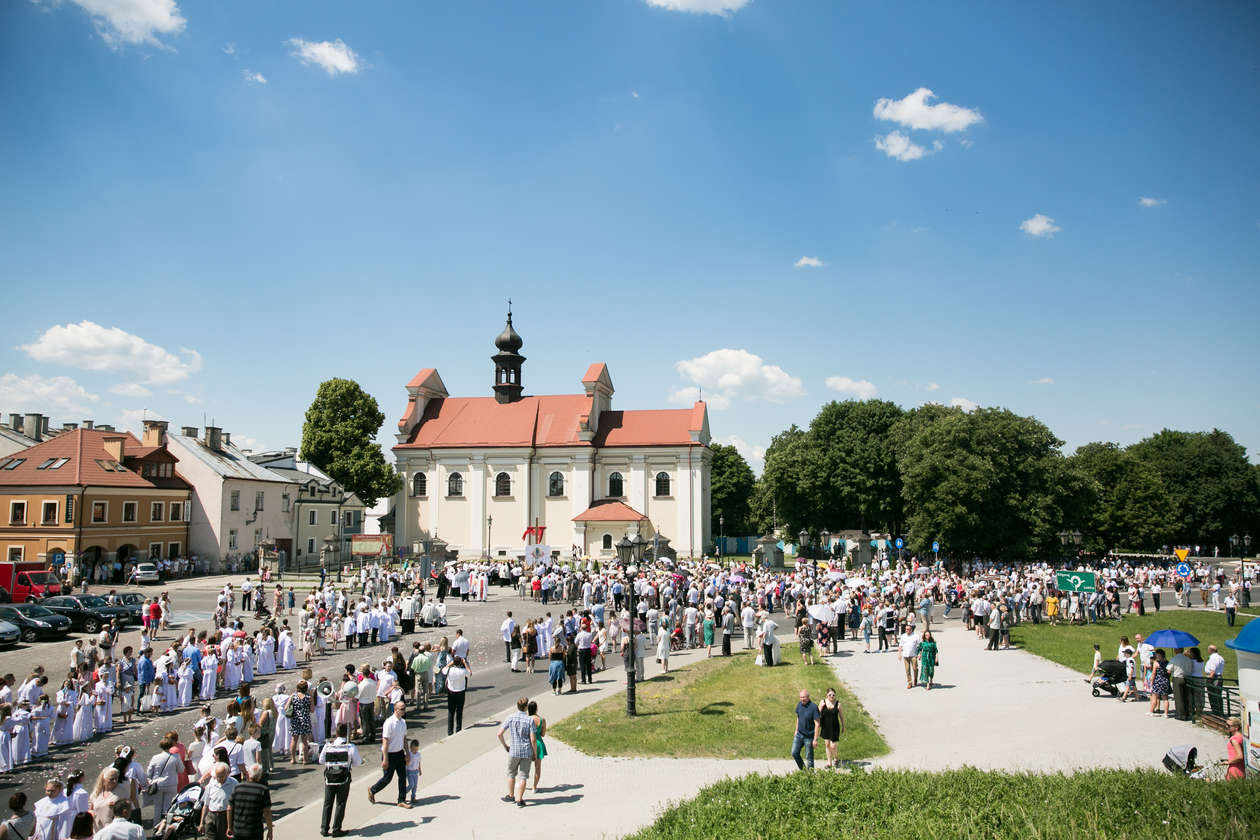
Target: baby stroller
{"x":677,"y":641}
{"x":181,"y":819}
{"x":1181,"y":761}
{"x":1110,"y":678}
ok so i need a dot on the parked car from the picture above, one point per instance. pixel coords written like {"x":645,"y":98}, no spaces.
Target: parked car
{"x":86,"y":612}
{"x":147,"y":572}
{"x":9,"y":633}
{"x":134,"y":602}
{"x":35,"y":622}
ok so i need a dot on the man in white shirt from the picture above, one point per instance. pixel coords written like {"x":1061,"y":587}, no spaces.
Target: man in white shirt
{"x":1214,"y":673}
{"x":748,"y":620}
{"x":367,"y":703}
{"x":216,"y":807}
{"x":121,"y":827}
{"x":909,"y":644}
{"x":459,"y":647}
{"x":393,"y":755}
{"x":505,"y":630}
{"x":339,"y":757}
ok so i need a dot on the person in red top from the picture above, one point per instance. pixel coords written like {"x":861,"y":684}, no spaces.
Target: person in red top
{"x":155,"y":618}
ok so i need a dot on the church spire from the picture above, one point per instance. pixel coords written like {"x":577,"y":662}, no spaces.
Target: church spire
{"x":507,"y":363}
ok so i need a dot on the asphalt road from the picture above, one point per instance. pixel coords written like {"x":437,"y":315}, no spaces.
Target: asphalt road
{"x":493,"y":687}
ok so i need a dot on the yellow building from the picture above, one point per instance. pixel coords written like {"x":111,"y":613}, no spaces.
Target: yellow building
{"x":92,"y":497}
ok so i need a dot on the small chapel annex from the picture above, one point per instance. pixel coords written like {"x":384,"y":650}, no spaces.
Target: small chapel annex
{"x":479,"y":471}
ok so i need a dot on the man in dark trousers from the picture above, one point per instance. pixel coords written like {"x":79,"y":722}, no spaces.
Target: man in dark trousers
{"x":251,"y":807}
{"x":393,"y":755}
{"x":338,"y":757}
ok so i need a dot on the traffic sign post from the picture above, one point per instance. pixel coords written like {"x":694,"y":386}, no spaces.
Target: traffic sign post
{"x":936,"y":550}
{"x":1076,"y":581}
{"x":1183,"y":570}
{"x":1182,"y":554}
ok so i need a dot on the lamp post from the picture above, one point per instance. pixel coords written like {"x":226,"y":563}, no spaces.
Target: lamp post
{"x":722,"y":531}
{"x":489,"y":524}
{"x":330,"y":541}
{"x":1233,"y":544}
{"x":630,"y":552}
{"x":825,"y":550}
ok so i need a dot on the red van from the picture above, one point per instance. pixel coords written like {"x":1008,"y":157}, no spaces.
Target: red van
{"x":28,"y":581}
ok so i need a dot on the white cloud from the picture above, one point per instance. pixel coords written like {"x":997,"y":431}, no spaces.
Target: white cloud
{"x":229,"y":49}
{"x":690,"y":394}
{"x":1146,"y":201}
{"x":706,"y":7}
{"x":932,"y":386}
{"x":191,"y":399}
{"x":635,"y":94}
{"x":1039,"y":225}
{"x":915,"y":112}
{"x":256,"y":78}
{"x":130,"y":389}
{"x":90,"y":346}
{"x":754,"y":455}
{"x":726,"y":375}
{"x":56,"y":395}
{"x":860,"y":388}
{"x":808,"y":262}
{"x":899,"y":146}
{"x":966,"y":142}
{"x":133,"y":21}
{"x":964,"y":403}
{"x":1045,"y":380}
{"x":334,"y":56}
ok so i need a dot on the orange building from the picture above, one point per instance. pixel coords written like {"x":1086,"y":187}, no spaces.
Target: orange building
{"x":90,"y":496}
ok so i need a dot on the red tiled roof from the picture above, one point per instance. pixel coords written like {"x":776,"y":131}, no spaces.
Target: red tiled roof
{"x":84,"y":448}
{"x":609,"y":510}
{"x":664,"y":427}
{"x":452,"y":422}
{"x":593,"y":372}
{"x":418,"y":379}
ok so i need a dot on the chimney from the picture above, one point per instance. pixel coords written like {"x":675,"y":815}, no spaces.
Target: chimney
{"x":33,"y":427}
{"x":47,"y":424}
{"x":154,"y":432}
{"x":89,"y":425}
{"x":214,"y":438}
{"x":69,"y":427}
{"x":15,"y":422}
{"x":103,"y":427}
{"x":227,"y":438}
{"x":114,"y":447}
{"x":188,"y":431}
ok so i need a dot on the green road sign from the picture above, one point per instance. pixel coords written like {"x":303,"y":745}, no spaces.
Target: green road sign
{"x":1075,"y":581}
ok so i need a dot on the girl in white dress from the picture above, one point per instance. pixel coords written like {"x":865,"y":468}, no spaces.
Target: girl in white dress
{"x":170,"y":685}
{"x":103,"y":699}
{"x":247,"y":662}
{"x":283,"y":741}
{"x":209,"y":666}
{"x":184,"y":689}
{"x":63,"y":723}
{"x":266,"y":654}
{"x":6,"y":737}
{"x":231,"y":668}
{"x":41,"y":720}
{"x":288,"y":657}
{"x":84,"y":707}
{"x":20,"y":751}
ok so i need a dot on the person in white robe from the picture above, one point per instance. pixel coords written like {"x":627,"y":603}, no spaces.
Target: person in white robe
{"x":170,"y":685}
{"x":231,"y":668}
{"x":247,"y":662}
{"x":283,"y":741}
{"x":63,"y":723}
{"x":288,"y":655}
{"x":184,"y":689}
{"x":266,"y":653}
{"x":53,"y":816}
{"x":41,"y":723}
{"x":20,"y":752}
{"x":209,"y":669}
{"x":102,"y":700}
{"x":85,"y":705}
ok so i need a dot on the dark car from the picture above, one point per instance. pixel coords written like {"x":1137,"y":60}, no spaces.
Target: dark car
{"x":133,"y":602}
{"x":88,"y":613}
{"x":34,"y":621}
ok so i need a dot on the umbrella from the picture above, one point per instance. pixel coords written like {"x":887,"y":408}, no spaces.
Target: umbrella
{"x":1171,"y":638}
{"x":239,"y":634}
{"x":834,"y":575}
{"x":822,"y":612}
{"x":737,"y":578}
{"x":855,"y":583}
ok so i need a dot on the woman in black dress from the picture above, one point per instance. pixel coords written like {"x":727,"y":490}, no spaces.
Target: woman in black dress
{"x":300,"y":723}
{"x":831,"y":725}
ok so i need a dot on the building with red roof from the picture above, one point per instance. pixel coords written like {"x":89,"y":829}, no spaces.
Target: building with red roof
{"x":480,"y":471}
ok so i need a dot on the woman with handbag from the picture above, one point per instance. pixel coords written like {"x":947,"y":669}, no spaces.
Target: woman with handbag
{"x":163,"y":774}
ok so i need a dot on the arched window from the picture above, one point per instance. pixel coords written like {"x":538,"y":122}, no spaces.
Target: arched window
{"x":615,"y":488}
{"x":555,"y":484}
{"x":503,"y":484}
{"x":662,"y":484}
{"x":607,"y":543}
{"x":419,"y":485}
{"x":455,"y":485}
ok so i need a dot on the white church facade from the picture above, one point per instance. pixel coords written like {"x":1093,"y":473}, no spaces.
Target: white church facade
{"x":479,"y":471}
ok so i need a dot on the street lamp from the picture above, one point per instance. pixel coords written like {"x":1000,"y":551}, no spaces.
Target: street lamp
{"x":489,"y":523}
{"x":825,"y":550}
{"x":722,"y":531}
{"x":1233,"y":544}
{"x":630,"y":552}
{"x":1072,"y":538}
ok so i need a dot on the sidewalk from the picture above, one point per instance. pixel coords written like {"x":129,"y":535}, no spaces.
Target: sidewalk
{"x":1008,"y":710}
{"x":464,"y":778}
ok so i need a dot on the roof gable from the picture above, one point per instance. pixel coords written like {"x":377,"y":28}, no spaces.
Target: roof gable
{"x":86,"y":462}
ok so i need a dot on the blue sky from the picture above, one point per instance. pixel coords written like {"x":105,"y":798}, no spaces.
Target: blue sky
{"x":243,"y":199}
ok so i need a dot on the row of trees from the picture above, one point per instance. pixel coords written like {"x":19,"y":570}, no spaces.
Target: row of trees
{"x":988,"y":483}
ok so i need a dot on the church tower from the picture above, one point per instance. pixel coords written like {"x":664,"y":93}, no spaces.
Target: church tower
{"x":507,"y":363}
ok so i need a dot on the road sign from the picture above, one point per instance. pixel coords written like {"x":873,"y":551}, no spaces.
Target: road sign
{"x":1183,"y":570}
{"x":1182,"y":554}
{"x":900,"y":543}
{"x":1075,"y":581}
{"x":936,"y":546}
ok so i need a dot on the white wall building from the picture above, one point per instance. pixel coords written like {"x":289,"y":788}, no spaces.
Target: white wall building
{"x":478,"y":471}
{"x":237,"y":504}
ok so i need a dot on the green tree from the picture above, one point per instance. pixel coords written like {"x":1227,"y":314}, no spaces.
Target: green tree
{"x":1130,"y":508}
{"x":859,"y":481}
{"x":1211,"y":484}
{"x":339,"y":438}
{"x":792,"y":483}
{"x":988,"y":483}
{"x":732,"y":482}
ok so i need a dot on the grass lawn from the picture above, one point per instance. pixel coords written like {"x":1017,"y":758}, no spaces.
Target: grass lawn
{"x":719,"y":708}
{"x":908,"y":805}
{"x":1073,"y":646}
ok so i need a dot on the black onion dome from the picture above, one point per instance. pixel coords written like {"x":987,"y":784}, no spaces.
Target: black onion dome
{"x":508,"y":341}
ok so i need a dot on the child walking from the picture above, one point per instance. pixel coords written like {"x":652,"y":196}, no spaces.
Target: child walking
{"x":413,"y":769}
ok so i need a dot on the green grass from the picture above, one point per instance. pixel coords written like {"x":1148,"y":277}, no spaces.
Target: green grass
{"x":1073,"y":645}
{"x":907,"y":805}
{"x":719,"y":708}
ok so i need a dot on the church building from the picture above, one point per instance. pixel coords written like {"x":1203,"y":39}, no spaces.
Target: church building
{"x":479,"y":471}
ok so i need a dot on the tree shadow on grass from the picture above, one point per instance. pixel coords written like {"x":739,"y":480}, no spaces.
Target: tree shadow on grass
{"x":716,"y":708}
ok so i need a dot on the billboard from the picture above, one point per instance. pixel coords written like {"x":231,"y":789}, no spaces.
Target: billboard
{"x":371,"y":545}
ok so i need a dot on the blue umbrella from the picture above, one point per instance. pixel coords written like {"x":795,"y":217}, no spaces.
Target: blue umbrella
{"x":1171,"y":639}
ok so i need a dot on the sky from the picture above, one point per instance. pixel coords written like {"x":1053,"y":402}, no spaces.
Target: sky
{"x":209,"y":208}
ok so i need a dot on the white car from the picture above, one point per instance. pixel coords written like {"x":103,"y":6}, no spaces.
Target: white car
{"x":147,"y":572}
